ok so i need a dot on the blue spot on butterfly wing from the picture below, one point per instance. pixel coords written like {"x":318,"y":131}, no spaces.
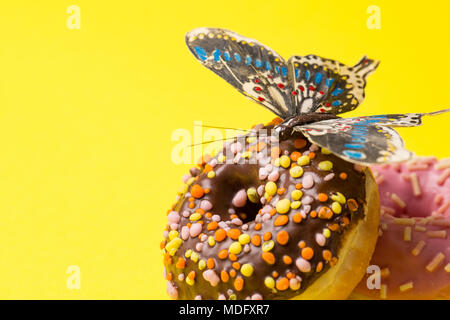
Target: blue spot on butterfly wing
{"x":237,"y":57}
{"x":277,"y":69}
{"x":337,"y":92}
{"x":258,"y":63}
{"x":297,"y":73}
{"x":354,"y":146}
{"x":318,"y":78}
{"x":354,"y":154}
{"x":307,"y":75}
{"x":329,"y":82}
{"x":336,"y":103}
{"x":284,"y":71}
{"x":201,"y":53}
{"x":248,"y":60}
{"x":216,"y":55}
{"x":226,"y":56}
{"x":267,"y":65}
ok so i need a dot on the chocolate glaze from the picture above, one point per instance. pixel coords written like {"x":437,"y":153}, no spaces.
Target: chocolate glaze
{"x":229,"y":179}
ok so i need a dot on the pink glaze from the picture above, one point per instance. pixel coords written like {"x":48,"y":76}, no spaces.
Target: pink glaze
{"x":406,"y":247}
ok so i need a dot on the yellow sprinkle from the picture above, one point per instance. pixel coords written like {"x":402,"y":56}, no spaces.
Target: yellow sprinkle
{"x":188,"y":253}
{"x":276,"y":162}
{"x":211,"y":241}
{"x":211,"y":174}
{"x":190,"y":181}
{"x":244,"y":239}
{"x":406,"y":286}
{"x":246,"y":154}
{"x":271,"y":188}
{"x":296,"y":194}
{"x":336,"y":207}
{"x":325,"y":165}
{"x":251,"y":139}
{"x":269,"y":282}
{"x":183,"y":189}
{"x":195,"y":216}
{"x":190,"y":281}
{"x":247,"y":269}
{"x":173,"y":245}
{"x":252,"y":195}
{"x":339,"y":197}
{"x":303,"y":160}
{"x":325,"y":151}
{"x":326,"y":232}
{"x":283,"y":206}
{"x":173,"y":234}
{"x":285,"y":161}
{"x":235,"y":248}
{"x":267,"y":246}
{"x":194,"y":256}
{"x":407,"y":234}
{"x":383,"y":291}
{"x":232,"y":296}
{"x":296,"y":171}
{"x":447,"y":267}
{"x":202,"y":264}
{"x":295,"y":204}
{"x":221,"y":158}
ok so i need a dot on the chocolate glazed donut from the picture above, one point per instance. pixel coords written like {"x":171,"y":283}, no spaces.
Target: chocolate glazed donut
{"x":271,"y":219}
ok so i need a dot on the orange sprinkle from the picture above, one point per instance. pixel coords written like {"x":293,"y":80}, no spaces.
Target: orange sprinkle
{"x":238,"y":283}
{"x":233,"y":216}
{"x":290,"y":275}
{"x":345,"y":221}
{"x":197,"y":191}
{"x":297,"y":218}
{"x":282,"y":237}
{"x":181,"y":263}
{"x":260,"y":146}
{"x":277,"y":120}
{"x":272,"y":211}
{"x":298,"y":186}
{"x":302,"y":244}
{"x":207,"y":190}
{"x":162,"y":244}
{"x":322,"y":197}
{"x":280,"y":191}
{"x":191,"y":205}
{"x":268,"y":257}
{"x":319,"y":266}
{"x":234,"y":233}
{"x":287,"y":259}
{"x":220,"y":235}
{"x":223,"y":254}
{"x":282,"y":284}
{"x":208,"y":168}
{"x":191,"y":275}
{"x":307,"y":253}
{"x":212,"y":226}
{"x":343,"y":175}
{"x":191,"y":199}
{"x":199,"y":210}
{"x":311,"y":155}
{"x":258,"y":226}
{"x":275,"y":152}
{"x":232,"y":273}
{"x":333,"y":261}
{"x":274,"y":274}
{"x":232,"y":257}
{"x":169,"y":276}
{"x":281,"y":220}
{"x":236,"y":265}
{"x":208,"y":215}
{"x":313,"y":214}
{"x":267,"y":236}
{"x":189,"y":224}
{"x":210,"y":263}
{"x":299,"y":143}
{"x":352,"y":204}
{"x":333,"y":227}
{"x":326,"y":254}
{"x":224,"y":276}
{"x":325,"y":213}
{"x":256,"y":240}
{"x":295,"y":155}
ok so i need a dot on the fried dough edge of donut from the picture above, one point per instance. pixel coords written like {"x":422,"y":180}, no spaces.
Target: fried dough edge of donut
{"x":354,"y":255}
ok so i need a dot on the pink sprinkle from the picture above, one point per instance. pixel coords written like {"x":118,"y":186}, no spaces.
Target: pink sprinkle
{"x":237,"y":222}
{"x":313,"y":148}
{"x":236,"y":147}
{"x":306,"y":209}
{"x":203,"y":237}
{"x":294,"y":284}
{"x":263,"y":173}
{"x":274,"y":175}
{"x":186,"y":213}
{"x":307,"y":200}
{"x":173,"y":217}
{"x":240,"y":199}
{"x":211,"y":276}
{"x":195,"y":230}
{"x":199,"y":297}
{"x":171,"y":290}
{"x":438,"y":199}
{"x":199,"y":246}
{"x":206,"y":205}
{"x":328,"y":177}
{"x":308,"y":181}
{"x":186,"y":177}
{"x":303,"y":265}
{"x":444,"y":207}
{"x":257,"y":296}
{"x":181,"y":276}
{"x":184,"y":232}
{"x":174,"y":226}
{"x":213,"y":162}
{"x":359,"y":167}
{"x":441,"y":179}
{"x":216,"y":218}
{"x":260,"y":190}
{"x":320,"y":239}
{"x":266,"y":217}
{"x":269,"y":167}
{"x":222,"y":297}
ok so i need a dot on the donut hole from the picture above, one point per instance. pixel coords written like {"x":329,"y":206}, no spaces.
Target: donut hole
{"x":248,"y":212}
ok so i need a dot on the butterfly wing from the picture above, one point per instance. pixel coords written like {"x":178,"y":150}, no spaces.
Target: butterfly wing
{"x":324,"y":85}
{"x":254,"y":69}
{"x":366,"y":140}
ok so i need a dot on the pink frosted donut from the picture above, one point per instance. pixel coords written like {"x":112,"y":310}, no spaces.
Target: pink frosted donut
{"x":413,"y":249}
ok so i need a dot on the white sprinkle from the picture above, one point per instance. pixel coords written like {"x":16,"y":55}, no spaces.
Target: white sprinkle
{"x":398,"y":201}
{"x":415,"y":184}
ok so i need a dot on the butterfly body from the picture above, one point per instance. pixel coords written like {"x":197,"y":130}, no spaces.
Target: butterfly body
{"x":307,"y":92}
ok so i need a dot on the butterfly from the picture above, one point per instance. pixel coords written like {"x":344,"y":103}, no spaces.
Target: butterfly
{"x":307,"y":92}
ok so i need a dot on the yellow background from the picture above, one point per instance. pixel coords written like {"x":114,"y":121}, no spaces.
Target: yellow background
{"x":86,"y":118}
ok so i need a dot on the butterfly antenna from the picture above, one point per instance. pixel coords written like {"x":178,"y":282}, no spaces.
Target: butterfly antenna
{"x":219,"y":127}
{"x":211,"y":141}
{"x":438,"y":112}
